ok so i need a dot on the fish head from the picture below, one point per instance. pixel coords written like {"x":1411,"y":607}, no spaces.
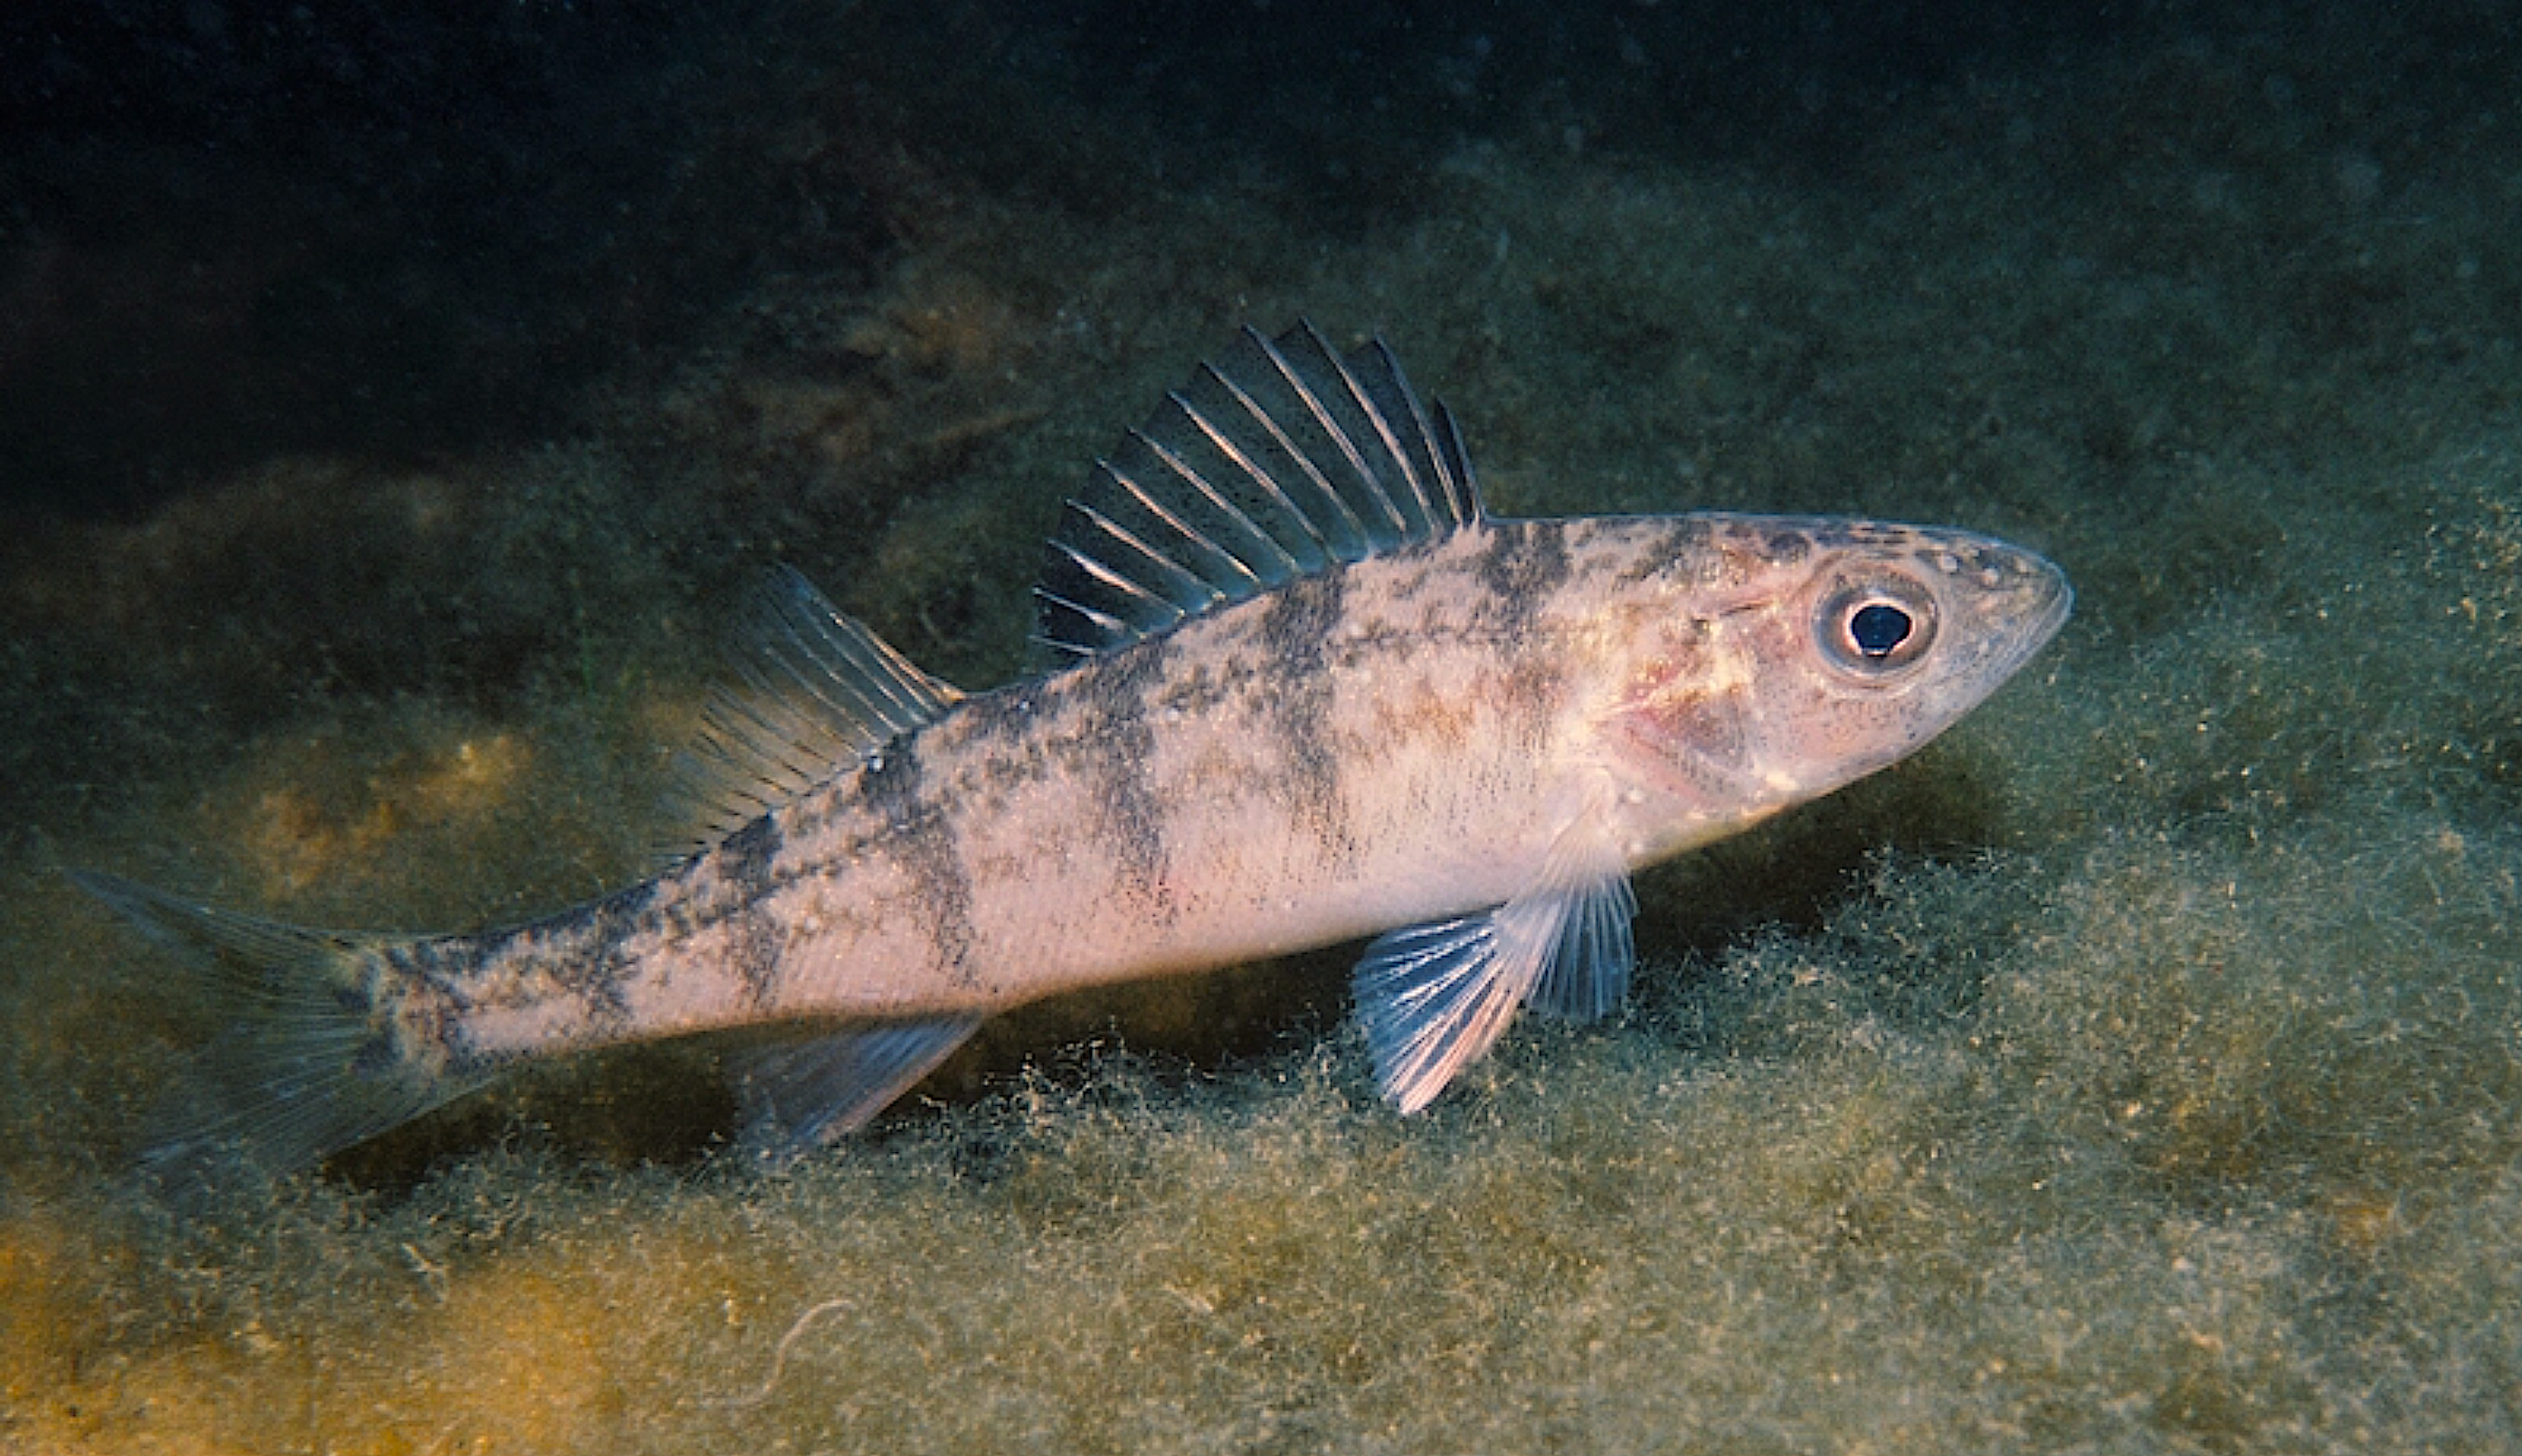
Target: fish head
{"x":1781,"y":658}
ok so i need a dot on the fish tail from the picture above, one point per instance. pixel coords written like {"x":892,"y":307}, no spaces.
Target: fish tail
{"x":307,"y":1060}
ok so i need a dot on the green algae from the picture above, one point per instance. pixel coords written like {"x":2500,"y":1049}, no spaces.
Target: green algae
{"x":2135,"y":1070}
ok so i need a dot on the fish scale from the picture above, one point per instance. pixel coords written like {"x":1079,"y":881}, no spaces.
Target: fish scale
{"x":1298,"y":688}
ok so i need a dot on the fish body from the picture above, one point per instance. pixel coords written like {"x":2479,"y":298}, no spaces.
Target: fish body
{"x":1299,"y":689}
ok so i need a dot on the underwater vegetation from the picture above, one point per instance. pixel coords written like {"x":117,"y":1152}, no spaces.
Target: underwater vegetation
{"x":2137,"y":1070}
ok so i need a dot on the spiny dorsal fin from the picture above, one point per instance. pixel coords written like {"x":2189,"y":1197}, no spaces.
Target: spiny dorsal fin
{"x":1277,"y":461}
{"x":812,"y":693}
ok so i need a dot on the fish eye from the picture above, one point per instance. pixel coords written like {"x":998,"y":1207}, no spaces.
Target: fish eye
{"x":1879,"y":628}
{"x":1872,"y":629}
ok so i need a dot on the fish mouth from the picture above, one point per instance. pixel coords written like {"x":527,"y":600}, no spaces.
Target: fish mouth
{"x":2046,"y":602}
{"x":2062,"y":604}
{"x":2054,"y":611}
{"x":2017,"y":602}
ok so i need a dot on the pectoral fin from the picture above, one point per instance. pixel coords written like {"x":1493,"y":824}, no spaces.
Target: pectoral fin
{"x":1588,"y":978}
{"x":1434,"y":997}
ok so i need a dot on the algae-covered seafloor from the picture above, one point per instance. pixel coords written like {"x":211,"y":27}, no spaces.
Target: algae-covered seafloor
{"x":2138,"y":1070}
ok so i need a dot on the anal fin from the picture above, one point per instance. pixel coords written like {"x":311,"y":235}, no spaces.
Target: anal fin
{"x":1433,"y":998}
{"x":800,"y":1092}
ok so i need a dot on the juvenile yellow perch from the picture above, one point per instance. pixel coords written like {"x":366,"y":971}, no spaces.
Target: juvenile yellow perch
{"x":1299,"y":688}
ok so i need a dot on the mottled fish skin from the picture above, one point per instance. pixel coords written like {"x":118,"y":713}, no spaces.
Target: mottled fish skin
{"x":1477,"y":732}
{"x":1389,"y":741}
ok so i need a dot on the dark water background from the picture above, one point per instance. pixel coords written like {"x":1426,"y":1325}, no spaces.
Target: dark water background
{"x":392,"y":404}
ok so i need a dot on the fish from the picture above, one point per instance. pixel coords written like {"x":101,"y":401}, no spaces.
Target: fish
{"x":1293,"y":686}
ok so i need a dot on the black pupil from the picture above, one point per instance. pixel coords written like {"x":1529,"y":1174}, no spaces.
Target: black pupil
{"x":1879,"y":628}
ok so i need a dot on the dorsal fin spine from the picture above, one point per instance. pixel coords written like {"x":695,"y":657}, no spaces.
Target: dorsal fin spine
{"x":1279,"y":460}
{"x":1288,"y":447}
{"x":1373,"y":480}
{"x":1102,"y":620}
{"x":1441,"y":490}
{"x":1458,"y":466}
{"x":1261,"y":479}
{"x":1191,"y":594}
{"x":1182,"y":470}
{"x":1397,"y":525}
{"x":1428,"y":517}
{"x":1192,"y":536}
{"x":1117,"y":582}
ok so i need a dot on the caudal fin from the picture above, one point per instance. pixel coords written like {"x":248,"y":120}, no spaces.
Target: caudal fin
{"x":304,"y":1063}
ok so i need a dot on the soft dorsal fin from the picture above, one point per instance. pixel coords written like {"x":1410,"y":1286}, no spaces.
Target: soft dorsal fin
{"x":813,"y":692}
{"x":1276,"y":461}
